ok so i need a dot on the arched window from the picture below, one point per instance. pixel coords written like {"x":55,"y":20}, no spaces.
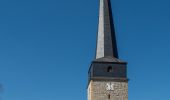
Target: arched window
{"x":108,"y":96}
{"x":109,"y":69}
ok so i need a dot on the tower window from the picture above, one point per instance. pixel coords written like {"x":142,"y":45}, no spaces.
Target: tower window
{"x":108,"y":96}
{"x":109,"y":69}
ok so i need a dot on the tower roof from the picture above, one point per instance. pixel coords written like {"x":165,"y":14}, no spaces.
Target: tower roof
{"x":106,"y":39}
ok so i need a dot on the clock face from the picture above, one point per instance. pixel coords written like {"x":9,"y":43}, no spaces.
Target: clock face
{"x":109,"y":86}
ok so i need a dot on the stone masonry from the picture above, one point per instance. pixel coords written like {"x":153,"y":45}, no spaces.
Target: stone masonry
{"x":98,"y":90}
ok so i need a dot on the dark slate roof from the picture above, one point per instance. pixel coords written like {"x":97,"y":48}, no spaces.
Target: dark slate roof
{"x":106,"y":40}
{"x":109,"y":59}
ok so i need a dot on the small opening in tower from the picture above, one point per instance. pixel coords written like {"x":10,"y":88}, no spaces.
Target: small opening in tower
{"x":108,"y":96}
{"x":109,"y":69}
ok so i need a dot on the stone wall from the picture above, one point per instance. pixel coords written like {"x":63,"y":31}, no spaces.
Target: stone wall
{"x":107,"y":90}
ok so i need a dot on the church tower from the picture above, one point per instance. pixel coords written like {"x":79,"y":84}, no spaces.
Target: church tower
{"x":107,"y":78}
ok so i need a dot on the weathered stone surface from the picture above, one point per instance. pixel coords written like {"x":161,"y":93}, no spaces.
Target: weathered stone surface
{"x":97,"y":90}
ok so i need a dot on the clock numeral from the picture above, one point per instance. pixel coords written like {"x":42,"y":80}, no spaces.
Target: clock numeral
{"x":109,"y":86}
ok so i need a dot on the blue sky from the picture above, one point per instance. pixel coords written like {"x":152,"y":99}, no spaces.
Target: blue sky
{"x":46,"y":47}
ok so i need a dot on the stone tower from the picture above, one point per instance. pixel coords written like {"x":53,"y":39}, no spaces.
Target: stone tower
{"x":107,"y":73}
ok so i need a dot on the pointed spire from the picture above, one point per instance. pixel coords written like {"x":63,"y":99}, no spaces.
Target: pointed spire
{"x":106,"y":40}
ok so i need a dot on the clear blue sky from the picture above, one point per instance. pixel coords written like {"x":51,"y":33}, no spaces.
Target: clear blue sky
{"x":46,"y":47}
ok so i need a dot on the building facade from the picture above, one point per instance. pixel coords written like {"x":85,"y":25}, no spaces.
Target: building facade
{"x":107,"y":78}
